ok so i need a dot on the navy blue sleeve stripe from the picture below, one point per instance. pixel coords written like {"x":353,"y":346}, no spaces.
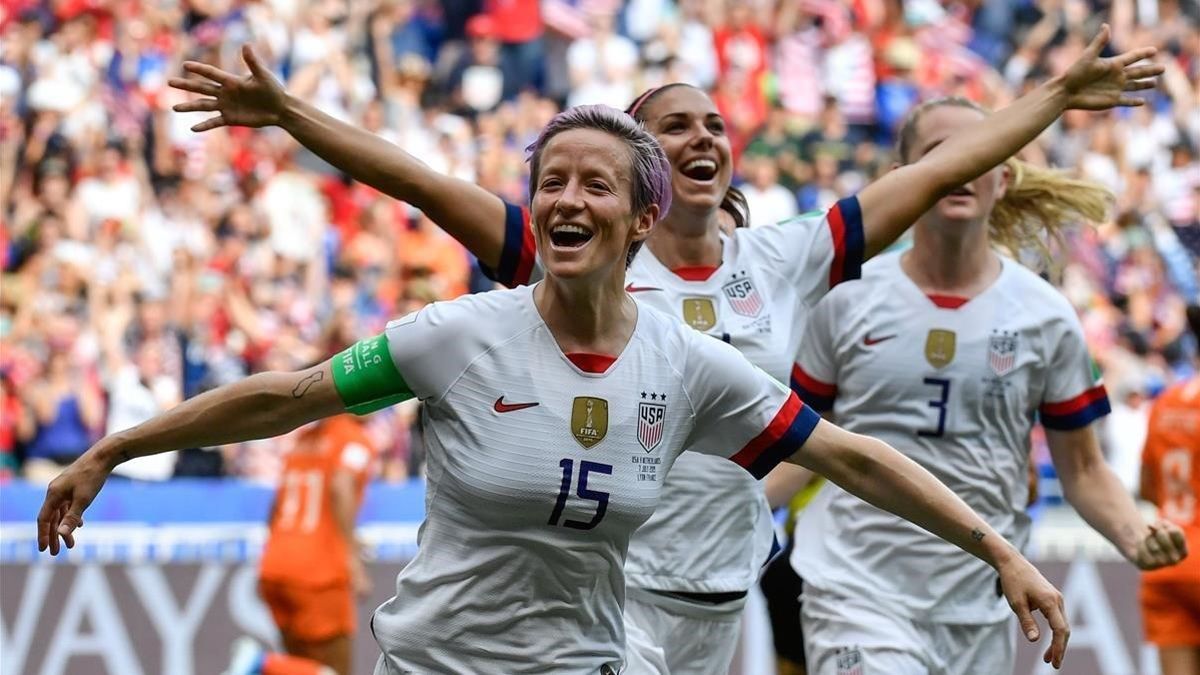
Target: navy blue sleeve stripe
{"x":510,"y":254}
{"x":1078,"y":419}
{"x":792,"y":440}
{"x":814,"y":400}
{"x":855,"y":239}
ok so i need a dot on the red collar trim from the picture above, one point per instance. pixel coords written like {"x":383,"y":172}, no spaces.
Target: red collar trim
{"x":947,"y":301}
{"x":695,"y":273}
{"x":591,"y":363}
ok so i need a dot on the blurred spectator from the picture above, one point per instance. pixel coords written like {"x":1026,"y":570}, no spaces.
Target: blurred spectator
{"x":769,"y":202}
{"x":67,"y":412}
{"x":475,"y":83}
{"x":138,"y":391}
{"x":520,"y":30}
{"x":601,"y":65}
{"x":142,"y":262}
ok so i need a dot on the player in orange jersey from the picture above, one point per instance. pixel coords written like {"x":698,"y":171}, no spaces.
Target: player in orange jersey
{"x":311,"y":565}
{"x":1171,"y":479}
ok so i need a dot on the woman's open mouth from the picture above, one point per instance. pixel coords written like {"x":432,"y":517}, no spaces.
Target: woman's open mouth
{"x":570,"y":236}
{"x":700,"y":170}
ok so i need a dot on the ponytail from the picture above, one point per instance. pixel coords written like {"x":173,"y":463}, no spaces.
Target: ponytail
{"x":1038,"y":207}
{"x":1039,"y":204}
{"x":734,"y":203}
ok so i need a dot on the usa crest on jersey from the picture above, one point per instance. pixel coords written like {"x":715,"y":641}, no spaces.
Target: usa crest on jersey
{"x":742,"y":295}
{"x":850,"y":662}
{"x":651,"y":420}
{"x":1002,"y":351}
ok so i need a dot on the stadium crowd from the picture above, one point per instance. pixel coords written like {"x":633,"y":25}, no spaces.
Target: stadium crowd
{"x":144,"y":263}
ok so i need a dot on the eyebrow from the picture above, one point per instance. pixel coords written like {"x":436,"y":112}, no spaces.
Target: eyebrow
{"x":707,"y":115}
{"x":606,"y":172}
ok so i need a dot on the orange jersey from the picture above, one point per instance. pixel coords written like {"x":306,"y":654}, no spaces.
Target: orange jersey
{"x":305,"y":545}
{"x":1171,"y":464}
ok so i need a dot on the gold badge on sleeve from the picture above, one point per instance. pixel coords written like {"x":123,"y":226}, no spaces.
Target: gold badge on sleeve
{"x":589,"y":420}
{"x":939,"y":347}
{"x":699,"y":313}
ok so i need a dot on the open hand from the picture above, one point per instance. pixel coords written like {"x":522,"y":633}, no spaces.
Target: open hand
{"x":253,"y":100}
{"x":1095,"y":83}
{"x":66,"y":498}
{"x":1162,"y":546}
{"x":1027,"y":590}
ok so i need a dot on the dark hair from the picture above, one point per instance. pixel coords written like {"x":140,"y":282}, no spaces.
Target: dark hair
{"x":733,"y":202}
{"x":651,"y":170}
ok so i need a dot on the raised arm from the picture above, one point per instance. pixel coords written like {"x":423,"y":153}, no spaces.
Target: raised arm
{"x":880,"y":475}
{"x":892,"y":203}
{"x":1097,"y":494}
{"x":469,"y":213}
{"x":260,"y":406}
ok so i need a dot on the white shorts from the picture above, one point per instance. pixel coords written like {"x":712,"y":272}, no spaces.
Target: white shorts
{"x":696,"y":639}
{"x":852,"y":636}
{"x":642,"y":655}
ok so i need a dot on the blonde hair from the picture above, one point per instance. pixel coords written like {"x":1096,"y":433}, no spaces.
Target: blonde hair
{"x":1039,"y":204}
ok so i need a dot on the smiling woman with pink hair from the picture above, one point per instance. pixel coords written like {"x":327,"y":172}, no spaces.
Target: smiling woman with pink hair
{"x":553,"y":413}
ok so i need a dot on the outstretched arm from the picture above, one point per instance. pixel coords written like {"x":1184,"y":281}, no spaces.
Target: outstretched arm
{"x":880,"y":475}
{"x":260,"y":406}
{"x":892,"y":203}
{"x":1094,"y":490}
{"x":466,"y":211}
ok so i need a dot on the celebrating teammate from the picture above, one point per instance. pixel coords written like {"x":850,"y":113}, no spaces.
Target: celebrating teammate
{"x":1170,"y":597}
{"x":947,"y":351}
{"x":753,"y":290}
{"x":553,"y":412}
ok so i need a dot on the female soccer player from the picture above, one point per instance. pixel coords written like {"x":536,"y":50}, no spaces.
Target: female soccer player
{"x":753,"y":290}
{"x":948,"y":351}
{"x":1170,"y":598}
{"x":553,"y":412}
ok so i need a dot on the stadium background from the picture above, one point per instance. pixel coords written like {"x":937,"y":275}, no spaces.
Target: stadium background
{"x":143,"y":263}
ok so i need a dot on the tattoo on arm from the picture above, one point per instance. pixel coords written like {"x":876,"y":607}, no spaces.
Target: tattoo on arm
{"x":307,"y":383}
{"x":977,"y":534}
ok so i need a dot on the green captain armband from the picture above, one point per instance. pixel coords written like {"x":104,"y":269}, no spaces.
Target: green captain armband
{"x":366,"y":378}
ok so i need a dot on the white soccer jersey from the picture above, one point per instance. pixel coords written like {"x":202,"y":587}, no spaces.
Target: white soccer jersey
{"x":712,"y":531}
{"x":956,"y":389}
{"x":539,"y":471}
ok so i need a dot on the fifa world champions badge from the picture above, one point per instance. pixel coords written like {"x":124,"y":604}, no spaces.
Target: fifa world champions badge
{"x":589,"y":420}
{"x":699,"y":313}
{"x":939,"y":347}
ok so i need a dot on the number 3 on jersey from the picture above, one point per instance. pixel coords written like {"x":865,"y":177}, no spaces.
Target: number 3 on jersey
{"x":601,"y":498}
{"x":939,"y":404}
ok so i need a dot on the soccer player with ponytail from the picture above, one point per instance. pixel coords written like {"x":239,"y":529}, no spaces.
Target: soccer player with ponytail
{"x":948,"y":351}
{"x":691,"y":565}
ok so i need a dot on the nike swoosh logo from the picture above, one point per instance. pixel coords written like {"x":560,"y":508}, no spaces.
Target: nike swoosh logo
{"x":638,"y":289}
{"x":502,"y":407}
{"x":868,"y":340}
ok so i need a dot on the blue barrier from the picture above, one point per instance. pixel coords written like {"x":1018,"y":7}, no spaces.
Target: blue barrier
{"x":197,"y":500}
